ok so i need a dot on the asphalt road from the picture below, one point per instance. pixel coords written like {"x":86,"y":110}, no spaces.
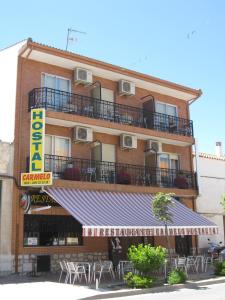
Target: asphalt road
{"x":207,"y":292}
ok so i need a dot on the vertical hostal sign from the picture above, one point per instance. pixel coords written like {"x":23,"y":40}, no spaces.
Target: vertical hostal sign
{"x":37,"y":135}
{"x":37,"y":175}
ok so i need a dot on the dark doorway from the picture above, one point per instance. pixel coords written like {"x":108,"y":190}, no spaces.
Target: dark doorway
{"x":183,"y":245}
{"x":126,"y":242}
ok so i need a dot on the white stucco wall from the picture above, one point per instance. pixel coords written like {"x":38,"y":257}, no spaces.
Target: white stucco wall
{"x":212,"y":188}
{"x":8,"y":77}
{"x":6,"y":168}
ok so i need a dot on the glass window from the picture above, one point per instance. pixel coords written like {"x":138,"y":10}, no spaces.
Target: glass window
{"x":171,"y":110}
{"x":161,"y":108}
{"x":51,"y":230}
{"x":56,"y":99}
{"x":55,"y":145}
{"x":48,"y":144}
{"x":174,"y":164}
{"x":164,"y":161}
{"x":49,"y":81}
{"x":167,"y":109}
{"x":63,"y":84}
{"x":61,"y":146}
{"x":55,"y":82}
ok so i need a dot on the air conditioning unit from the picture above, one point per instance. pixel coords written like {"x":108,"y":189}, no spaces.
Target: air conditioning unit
{"x":153,"y":146}
{"x":82,"y":76}
{"x":126,"y":87}
{"x":128,"y":141}
{"x":82,"y":134}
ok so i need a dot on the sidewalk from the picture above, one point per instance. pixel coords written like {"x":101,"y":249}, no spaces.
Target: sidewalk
{"x":47,"y":286}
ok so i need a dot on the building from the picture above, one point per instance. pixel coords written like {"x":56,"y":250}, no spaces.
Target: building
{"x":113,"y":138}
{"x":6,"y":195}
{"x":211,"y":170}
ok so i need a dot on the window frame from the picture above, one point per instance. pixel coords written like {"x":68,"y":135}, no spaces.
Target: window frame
{"x":59,"y":136}
{"x":167,"y":104}
{"x":55,"y":76}
{"x":170,"y":155}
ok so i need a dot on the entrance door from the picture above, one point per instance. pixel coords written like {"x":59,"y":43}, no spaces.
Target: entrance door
{"x":126,"y":242}
{"x":104,"y":156}
{"x":150,"y":168}
{"x":183,"y":245}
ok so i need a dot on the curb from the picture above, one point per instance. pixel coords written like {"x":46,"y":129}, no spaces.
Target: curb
{"x":165,"y":288}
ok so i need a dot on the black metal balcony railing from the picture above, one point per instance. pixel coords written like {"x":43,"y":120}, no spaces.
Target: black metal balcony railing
{"x":77,"y":169}
{"x":57,"y":100}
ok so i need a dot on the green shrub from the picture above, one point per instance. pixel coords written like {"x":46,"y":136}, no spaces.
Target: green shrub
{"x":137,"y":281}
{"x":176,"y":276}
{"x":219,"y":268}
{"x":146,"y":258}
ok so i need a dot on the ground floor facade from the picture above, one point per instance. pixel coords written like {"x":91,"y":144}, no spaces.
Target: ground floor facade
{"x":50,"y":233}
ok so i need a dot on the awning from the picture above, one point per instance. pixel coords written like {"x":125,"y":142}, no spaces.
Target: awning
{"x":126,"y":214}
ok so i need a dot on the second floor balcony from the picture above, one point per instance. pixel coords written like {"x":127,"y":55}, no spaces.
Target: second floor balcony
{"x":77,"y":169}
{"x":76,"y":104}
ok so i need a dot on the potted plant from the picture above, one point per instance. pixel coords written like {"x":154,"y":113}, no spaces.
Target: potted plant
{"x":71,"y":172}
{"x":123,"y":177}
{"x":181,"y":181}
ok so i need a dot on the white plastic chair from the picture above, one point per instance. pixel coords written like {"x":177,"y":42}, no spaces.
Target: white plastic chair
{"x":76,"y":271}
{"x":125,"y":267}
{"x":101,"y":268}
{"x":191,"y":263}
{"x":80,"y":271}
{"x":181,"y":263}
{"x":71,"y":270}
{"x":64,"y":269}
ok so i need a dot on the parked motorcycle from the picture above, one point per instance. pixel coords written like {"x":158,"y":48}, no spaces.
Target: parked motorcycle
{"x":215,"y":249}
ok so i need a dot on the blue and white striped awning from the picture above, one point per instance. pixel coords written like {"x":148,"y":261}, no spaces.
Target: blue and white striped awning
{"x":126,"y":214}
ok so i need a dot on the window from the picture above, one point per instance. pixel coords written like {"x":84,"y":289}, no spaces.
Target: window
{"x":166,"y":118}
{"x":169,"y":165}
{"x":105,"y":155}
{"x":166,"y":109}
{"x":51,"y":230}
{"x":56,"y":145}
{"x":168,"y":161}
{"x":62,"y":86}
{"x":56,"y":82}
{"x":105,"y":108}
{"x":60,"y":147}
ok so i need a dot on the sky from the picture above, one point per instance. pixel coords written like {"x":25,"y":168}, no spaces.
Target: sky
{"x":176,"y":40}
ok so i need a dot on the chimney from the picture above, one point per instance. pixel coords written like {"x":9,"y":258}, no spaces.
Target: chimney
{"x":219,"y":152}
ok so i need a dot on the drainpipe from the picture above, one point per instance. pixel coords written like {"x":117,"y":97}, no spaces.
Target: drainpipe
{"x":195,"y":98}
{"x":197,"y":167}
{"x":19,"y":97}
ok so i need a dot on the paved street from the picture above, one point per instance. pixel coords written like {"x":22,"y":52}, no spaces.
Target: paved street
{"x":37,"y":288}
{"x":213,"y":292}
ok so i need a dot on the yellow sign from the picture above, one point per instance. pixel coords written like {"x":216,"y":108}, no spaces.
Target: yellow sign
{"x":29,"y":179}
{"x":37,"y":136}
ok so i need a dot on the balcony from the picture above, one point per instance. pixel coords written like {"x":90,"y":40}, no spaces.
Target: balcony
{"x":76,"y":104}
{"x":77,"y":169}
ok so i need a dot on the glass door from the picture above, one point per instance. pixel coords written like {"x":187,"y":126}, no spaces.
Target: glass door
{"x":56,"y":98}
{"x":164,"y":165}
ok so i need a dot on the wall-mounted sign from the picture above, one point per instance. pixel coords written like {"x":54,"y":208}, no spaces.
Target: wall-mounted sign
{"x":42,"y":199}
{"x":25,"y":202}
{"x":37,"y":136}
{"x":34,"y":179}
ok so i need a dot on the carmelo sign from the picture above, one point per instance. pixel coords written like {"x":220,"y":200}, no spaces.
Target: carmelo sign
{"x":29,"y":179}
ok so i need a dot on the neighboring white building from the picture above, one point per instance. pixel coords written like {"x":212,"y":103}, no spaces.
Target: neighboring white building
{"x":6,"y":192}
{"x":211,"y":176}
